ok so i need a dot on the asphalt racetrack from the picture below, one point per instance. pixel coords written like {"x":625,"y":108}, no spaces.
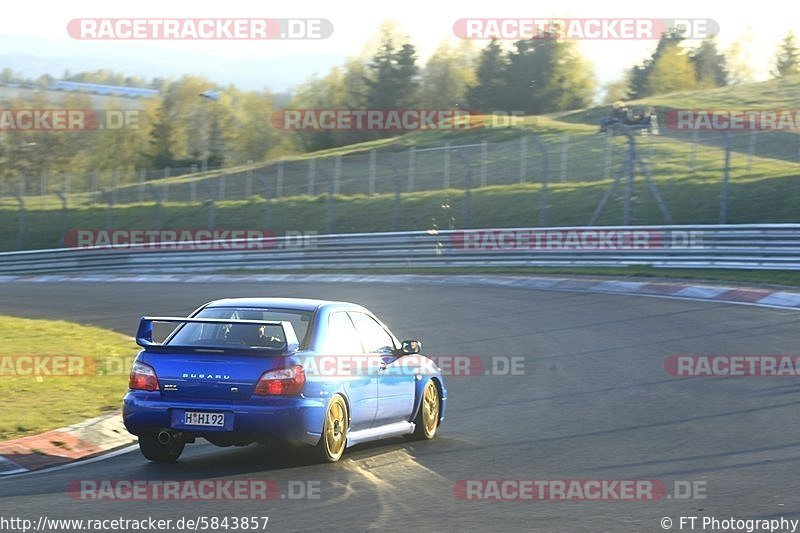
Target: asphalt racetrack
{"x":593,"y":402}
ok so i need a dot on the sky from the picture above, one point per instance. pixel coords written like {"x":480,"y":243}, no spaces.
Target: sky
{"x":34,"y":39}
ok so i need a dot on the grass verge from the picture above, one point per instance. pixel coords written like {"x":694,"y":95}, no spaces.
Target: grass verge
{"x":32,"y":404}
{"x":772,"y":278}
{"x":691,"y":201}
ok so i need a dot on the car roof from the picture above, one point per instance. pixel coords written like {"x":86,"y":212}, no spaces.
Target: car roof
{"x":302,"y":304}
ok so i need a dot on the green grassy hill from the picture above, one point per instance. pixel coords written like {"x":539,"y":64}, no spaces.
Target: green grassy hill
{"x":777,"y":94}
{"x":580,"y":164}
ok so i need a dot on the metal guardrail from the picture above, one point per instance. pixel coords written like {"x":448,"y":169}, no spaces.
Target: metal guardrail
{"x":749,"y":246}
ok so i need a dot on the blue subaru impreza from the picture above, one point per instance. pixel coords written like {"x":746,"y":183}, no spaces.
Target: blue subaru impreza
{"x":238,"y":371}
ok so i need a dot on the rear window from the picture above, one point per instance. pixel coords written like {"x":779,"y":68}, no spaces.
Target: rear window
{"x":244,"y":335}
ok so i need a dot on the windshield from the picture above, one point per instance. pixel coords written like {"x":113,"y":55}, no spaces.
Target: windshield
{"x":241,"y":335}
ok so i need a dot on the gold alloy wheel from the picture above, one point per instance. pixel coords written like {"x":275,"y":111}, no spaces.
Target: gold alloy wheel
{"x":335,"y":434}
{"x":430,"y":409}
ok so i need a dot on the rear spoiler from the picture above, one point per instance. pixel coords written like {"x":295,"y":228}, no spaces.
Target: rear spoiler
{"x":144,"y":335}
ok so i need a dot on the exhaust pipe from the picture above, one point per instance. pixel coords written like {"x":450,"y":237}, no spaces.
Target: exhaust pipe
{"x":165,"y":437}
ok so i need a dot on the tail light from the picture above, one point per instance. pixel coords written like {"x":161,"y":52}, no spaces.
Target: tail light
{"x":143,"y":377}
{"x":282,"y":382}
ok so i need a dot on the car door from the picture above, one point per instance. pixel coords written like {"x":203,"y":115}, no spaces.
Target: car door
{"x":395,"y":386}
{"x":361,"y":382}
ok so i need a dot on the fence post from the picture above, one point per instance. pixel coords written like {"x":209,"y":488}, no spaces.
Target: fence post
{"x":212,"y":214}
{"x":312,"y":170}
{"x":446,"y":184}
{"x":222,"y":186}
{"x":66,"y":183}
{"x":329,"y":213}
{"x":43,"y":188}
{"x":695,"y":140}
{"x":157,"y":197}
{"x":484,"y":163}
{"x":626,"y":215}
{"x":93,"y":186}
{"x":372,"y":170}
{"x":543,"y":198}
{"x":212,"y":210}
{"x":114,"y":181}
{"x":798,"y":148}
{"x":412,"y":155}
{"x":723,"y":197}
{"x":248,"y":182}
{"x":279,"y":181}
{"x":523,"y":158}
{"x":109,"y":208}
{"x":337,"y":174}
{"x":267,"y":200}
{"x":63,"y":198}
{"x":397,"y":198}
{"x":467,"y":208}
{"x":20,"y":218}
{"x":609,"y":148}
{"x":142,"y":179}
{"x":165,"y":194}
{"x":328,"y":204}
{"x":751,"y":149}
{"x":564,"y":155}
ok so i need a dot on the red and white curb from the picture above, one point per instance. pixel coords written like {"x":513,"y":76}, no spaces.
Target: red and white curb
{"x":64,"y":445}
{"x":761,"y":297}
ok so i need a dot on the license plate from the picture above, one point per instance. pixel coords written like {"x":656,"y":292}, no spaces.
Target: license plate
{"x":204,"y":419}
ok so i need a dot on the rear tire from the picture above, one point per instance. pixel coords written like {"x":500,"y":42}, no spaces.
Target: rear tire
{"x":160,"y":453}
{"x":333,"y":441}
{"x":426,"y":424}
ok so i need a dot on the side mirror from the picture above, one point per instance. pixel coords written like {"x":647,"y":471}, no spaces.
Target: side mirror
{"x":410,"y":347}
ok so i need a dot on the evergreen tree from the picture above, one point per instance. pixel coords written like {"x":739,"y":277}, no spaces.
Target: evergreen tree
{"x":162,"y":137}
{"x":447,"y":76}
{"x":710,"y":65}
{"x":640,"y":74}
{"x":391,"y":75}
{"x":488,"y":94}
{"x":547,"y":74}
{"x":787,"y":60}
{"x":672,"y":71}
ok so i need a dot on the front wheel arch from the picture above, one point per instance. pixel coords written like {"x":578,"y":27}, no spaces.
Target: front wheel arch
{"x":420,"y":430}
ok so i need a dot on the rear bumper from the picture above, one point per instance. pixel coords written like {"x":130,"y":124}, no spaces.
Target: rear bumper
{"x":286,"y":419}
